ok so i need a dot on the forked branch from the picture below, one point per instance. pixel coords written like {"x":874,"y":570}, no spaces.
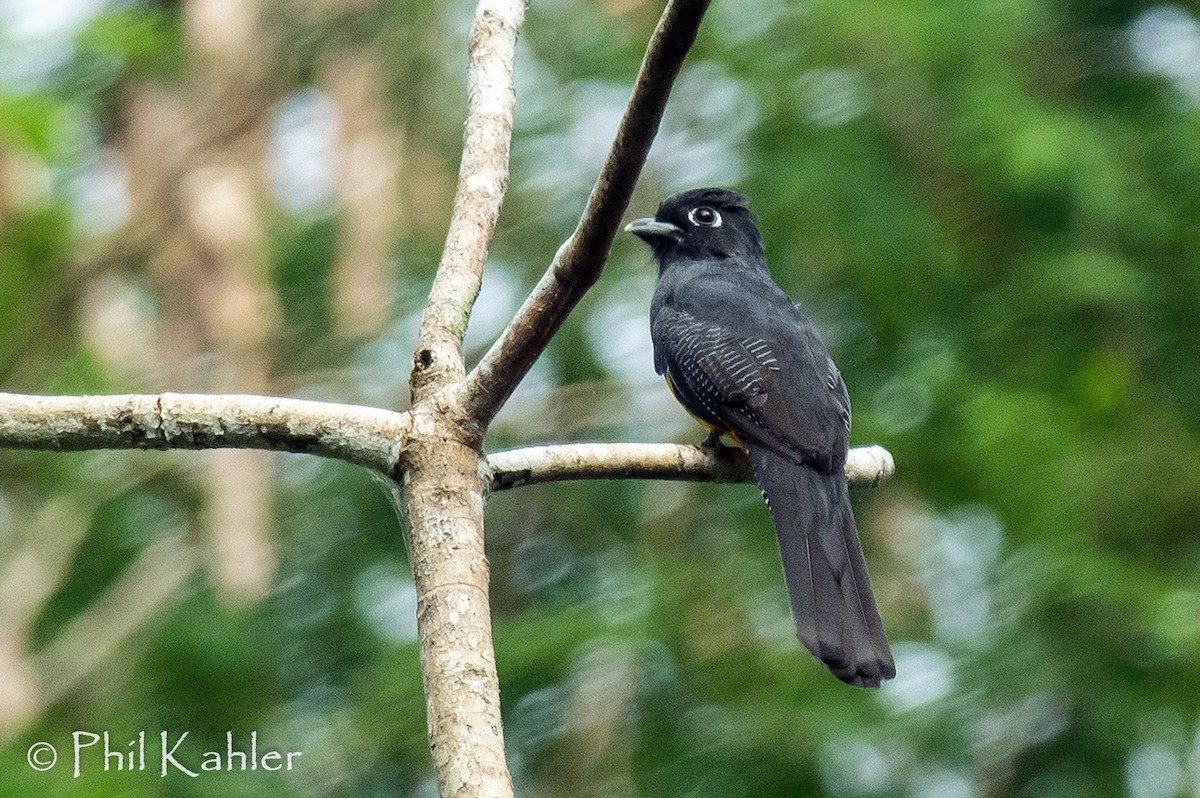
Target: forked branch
{"x":443,"y":489}
{"x":427,"y":449}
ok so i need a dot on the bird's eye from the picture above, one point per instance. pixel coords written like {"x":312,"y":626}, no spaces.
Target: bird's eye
{"x":704,"y":216}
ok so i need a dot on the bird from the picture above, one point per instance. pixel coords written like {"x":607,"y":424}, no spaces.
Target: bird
{"x":748,"y":363}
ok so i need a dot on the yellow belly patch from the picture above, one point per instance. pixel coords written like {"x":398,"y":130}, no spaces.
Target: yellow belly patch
{"x":731,"y":434}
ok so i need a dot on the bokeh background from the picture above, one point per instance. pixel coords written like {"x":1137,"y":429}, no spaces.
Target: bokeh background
{"x":992,"y":209}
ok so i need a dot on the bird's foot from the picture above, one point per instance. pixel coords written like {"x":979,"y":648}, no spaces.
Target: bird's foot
{"x":712,"y":443}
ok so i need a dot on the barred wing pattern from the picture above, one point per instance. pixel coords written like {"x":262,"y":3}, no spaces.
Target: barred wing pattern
{"x":732,"y":382}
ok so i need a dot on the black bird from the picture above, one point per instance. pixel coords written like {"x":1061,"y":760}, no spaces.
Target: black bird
{"x":746,"y":362}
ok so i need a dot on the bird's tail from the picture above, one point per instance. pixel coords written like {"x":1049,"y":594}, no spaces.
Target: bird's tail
{"x":835,"y":613}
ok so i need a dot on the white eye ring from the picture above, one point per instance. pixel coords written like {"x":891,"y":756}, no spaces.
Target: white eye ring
{"x":715,"y":221}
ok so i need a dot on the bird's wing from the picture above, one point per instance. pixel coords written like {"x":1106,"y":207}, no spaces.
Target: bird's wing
{"x":745,"y":384}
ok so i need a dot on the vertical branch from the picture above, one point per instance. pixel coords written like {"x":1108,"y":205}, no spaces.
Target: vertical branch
{"x":443,"y":483}
{"x":443,"y":495}
{"x":482,"y":181}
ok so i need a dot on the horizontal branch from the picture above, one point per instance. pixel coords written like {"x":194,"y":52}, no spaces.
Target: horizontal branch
{"x":579,"y":261}
{"x":866,"y":465}
{"x":364,"y":436}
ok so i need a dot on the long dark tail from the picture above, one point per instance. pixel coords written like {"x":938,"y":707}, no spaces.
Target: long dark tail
{"x":836,"y":617}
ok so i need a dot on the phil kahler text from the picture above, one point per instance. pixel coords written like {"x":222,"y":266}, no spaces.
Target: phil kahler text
{"x":96,"y":752}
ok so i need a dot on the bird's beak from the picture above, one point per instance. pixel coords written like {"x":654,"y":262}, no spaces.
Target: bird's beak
{"x":649,"y":229}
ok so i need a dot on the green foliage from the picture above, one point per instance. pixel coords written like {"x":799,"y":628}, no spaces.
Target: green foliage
{"x":990,"y":208}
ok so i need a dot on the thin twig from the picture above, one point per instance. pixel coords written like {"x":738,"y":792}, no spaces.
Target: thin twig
{"x":365,"y":436}
{"x":580,"y":260}
{"x":866,"y":465}
{"x":482,"y":181}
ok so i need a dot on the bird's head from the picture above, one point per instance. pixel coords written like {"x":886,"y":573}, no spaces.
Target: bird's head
{"x":701,"y":223}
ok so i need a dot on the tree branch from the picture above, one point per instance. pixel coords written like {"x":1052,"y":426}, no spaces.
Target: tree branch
{"x":579,"y":261}
{"x":866,"y":465}
{"x":434,"y":450}
{"x":443,"y":486}
{"x":482,"y":181}
{"x":364,"y":436}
